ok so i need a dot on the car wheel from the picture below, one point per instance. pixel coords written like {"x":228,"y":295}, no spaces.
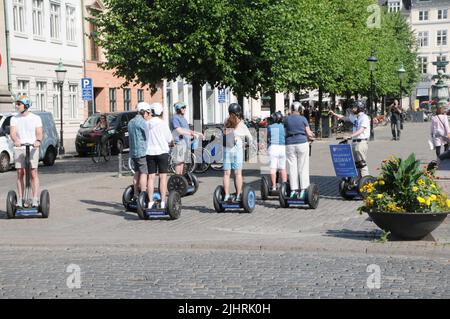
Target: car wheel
{"x":50,"y":156}
{"x":4,"y":162}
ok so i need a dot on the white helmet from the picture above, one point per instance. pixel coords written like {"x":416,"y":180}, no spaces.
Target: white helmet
{"x":157,"y":109}
{"x":143,"y":106}
{"x":297,"y":107}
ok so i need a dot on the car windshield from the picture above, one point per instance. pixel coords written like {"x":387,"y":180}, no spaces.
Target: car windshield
{"x":94,"y":119}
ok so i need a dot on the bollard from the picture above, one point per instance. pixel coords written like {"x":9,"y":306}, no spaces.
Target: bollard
{"x":120,"y":164}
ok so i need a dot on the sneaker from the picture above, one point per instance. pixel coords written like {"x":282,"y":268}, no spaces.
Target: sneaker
{"x":293,"y":194}
{"x":162,"y":205}
{"x":35,"y":202}
{"x":274,"y":189}
{"x":150,"y":205}
{"x":227,"y":198}
{"x":239,"y":198}
{"x":302,"y":194}
{"x":19,"y":202}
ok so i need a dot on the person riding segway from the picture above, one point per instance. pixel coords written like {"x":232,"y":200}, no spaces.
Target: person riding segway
{"x":233,"y":151}
{"x":26,"y":133}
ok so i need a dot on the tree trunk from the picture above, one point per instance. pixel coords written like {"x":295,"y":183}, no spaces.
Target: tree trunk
{"x":197,"y":107}
{"x":319,"y":114}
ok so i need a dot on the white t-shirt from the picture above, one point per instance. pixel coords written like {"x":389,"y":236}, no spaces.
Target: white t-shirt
{"x":358,"y":121}
{"x":158,"y":137}
{"x":26,"y":127}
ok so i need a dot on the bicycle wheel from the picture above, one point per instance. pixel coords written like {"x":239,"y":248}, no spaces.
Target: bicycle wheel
{"x":106,"y":151}
{"x":97,"y":153}
{"x":189,"y":167}
{"x":204,"y":163}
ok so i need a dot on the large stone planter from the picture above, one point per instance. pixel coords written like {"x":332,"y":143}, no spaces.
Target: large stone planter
{"x":410,"y":226}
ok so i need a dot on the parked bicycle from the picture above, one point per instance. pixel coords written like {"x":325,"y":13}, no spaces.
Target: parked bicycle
{"x":101,"y":149}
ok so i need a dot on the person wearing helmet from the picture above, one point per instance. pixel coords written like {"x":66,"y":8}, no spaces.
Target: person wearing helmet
{"x":26,"y":128}
{"x":277,"y":148}
{"x":182,"y":137}
{"x":159,"y":138}
{"x":360,"y":135}
{"x":235,"y":133}
{"x":298,"y":135}
{"x":137,"y":130}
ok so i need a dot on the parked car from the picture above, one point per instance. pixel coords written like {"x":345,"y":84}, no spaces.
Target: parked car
{"x":118,"y":131}
{"x":50,"y":141}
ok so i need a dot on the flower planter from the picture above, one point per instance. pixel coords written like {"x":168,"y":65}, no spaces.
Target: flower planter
{"x":410,"y":226}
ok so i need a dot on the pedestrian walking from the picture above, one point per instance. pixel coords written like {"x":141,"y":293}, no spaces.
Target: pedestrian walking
{"x":440,"y":131}
{"x":396,"y":120}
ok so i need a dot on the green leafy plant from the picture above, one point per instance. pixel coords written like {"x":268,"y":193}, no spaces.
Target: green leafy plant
{"x":384,"y":238}
{"x":404,"y":187}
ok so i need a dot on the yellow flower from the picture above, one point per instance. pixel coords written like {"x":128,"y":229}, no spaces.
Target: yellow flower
{"x":448,"y":202}
{"x":415,"y":189}
{"x":421,"y":182}
{"x":421,"y":200}
{"x":382,"y":182}
{"x":375,"y":184}
{"x":380,"y":196}
{"x":428,"y":201}
{"x":433,"y":186}
{"x":433,"y":197}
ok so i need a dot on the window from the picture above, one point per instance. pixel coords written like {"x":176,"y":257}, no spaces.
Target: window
{"x":55,"y":20}
{"x":112,"y":100}
{"x":442,"y":37}
{"x":19,"y":15}
{"x":443,"y":14}
{"x":140,"y":95}
{"x":394,"y":6}
{"x":73,"y":101}
{"x":38,"y":17}
{"x":440,"y":59}
{"x":126,"y":99}
{"x":93,"y":45}
{"x":422,"y":38}
{"x":423,"y":64}
{"x":423,"y":15}
{"x":56,"y":99}
{"x":70,"y":24}
{"x":23,"y":87}
{"x":41,"y":95}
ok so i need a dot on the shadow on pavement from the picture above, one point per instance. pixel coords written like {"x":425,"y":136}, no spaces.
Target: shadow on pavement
{"x":354,"y":234}
{"x":81,"y":165}
{"x":116,"y":209}
{"x":206,"y":210}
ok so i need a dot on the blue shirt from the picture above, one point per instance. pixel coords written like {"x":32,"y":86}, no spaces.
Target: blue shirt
{"x":296,"y":129}
{"x":276,"y":134}
{"x":180,"y":121}
{"x":136,"y":130}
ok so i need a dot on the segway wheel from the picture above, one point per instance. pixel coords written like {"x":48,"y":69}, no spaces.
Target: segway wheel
{"x":264,"y":188}
{"x":178,"y":183}
{"x":142,"y":205}
{"x":248,"y":199}
{"x":343,"y":190}
{"x":313,"y":196}
{"x":219,"y":194}
{"x":11,"y":201}
{"x":364,"y":181}
{"x":127,"y":196}
{"x":194,"y":179}
{"x":44,"y":205}
{"x":284,"y":194}
{"x":174,"y":205}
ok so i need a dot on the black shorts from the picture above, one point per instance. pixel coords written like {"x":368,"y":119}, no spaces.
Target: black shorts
{"x":158,"y":163}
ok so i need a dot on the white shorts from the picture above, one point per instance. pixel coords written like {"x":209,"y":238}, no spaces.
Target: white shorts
{"x":20,"y":157}
{"x":277,"y":155}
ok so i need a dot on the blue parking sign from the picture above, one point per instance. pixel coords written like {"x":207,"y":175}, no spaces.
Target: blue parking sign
{"x":221,"y":96}
{"x":343,"y":162}
{"x":87,"y":89}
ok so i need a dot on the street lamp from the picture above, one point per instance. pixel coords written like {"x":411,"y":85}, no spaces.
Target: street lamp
{"x":372,"y":61}
{"x":401,"y":76}
{"x":60,"y":76}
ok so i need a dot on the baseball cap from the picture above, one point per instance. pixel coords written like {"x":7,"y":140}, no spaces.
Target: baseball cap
{"x":157,"y":108}
{"x":143,"y":106}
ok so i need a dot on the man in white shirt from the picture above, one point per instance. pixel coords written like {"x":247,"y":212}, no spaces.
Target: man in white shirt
{"x":26,"y":128}
{"x":360,"y":136}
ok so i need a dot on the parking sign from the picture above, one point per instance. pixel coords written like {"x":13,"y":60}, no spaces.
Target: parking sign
{"x":87,"y":89}
{"x":221,"y":96}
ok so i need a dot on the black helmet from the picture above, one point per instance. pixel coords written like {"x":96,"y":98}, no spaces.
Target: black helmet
{"x":235,"y":108}
{"x":277,"y":117}
{"x":360,"y":105}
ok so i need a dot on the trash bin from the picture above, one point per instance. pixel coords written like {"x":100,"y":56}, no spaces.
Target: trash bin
{"x":326,"y":126}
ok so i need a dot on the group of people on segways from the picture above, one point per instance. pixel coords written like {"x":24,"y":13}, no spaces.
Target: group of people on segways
{"x":150,"y":139}
{"x":289,"y":142}
{"x":26,"y":134}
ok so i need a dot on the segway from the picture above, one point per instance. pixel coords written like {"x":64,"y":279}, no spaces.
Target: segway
{"x":172,"y":209}
{"x":346,"y":167}
{"x":310,"y":199}
{"x":26,"y":208}
{"x":186,"y":184}
{"x":247,"y":202}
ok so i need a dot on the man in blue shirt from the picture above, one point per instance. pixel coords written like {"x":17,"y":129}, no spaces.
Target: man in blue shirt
{"x":182,"y":137}
{"x":137,"y":130}
{"x":277,"y":149}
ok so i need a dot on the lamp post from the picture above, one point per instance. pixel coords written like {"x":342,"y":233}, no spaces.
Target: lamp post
{"x":60,"y":76}
{"x":401,"y":76}
{"x":372,"y":61}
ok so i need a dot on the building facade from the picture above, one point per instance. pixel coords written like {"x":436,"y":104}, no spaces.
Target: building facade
{"x":108,"y":94}
{"x":43,"y":32}
{"x":5,"y":94}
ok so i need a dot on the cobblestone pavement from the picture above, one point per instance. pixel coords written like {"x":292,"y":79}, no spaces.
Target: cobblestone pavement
{"x":89,"y":227}
{"x":217,"y":274}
